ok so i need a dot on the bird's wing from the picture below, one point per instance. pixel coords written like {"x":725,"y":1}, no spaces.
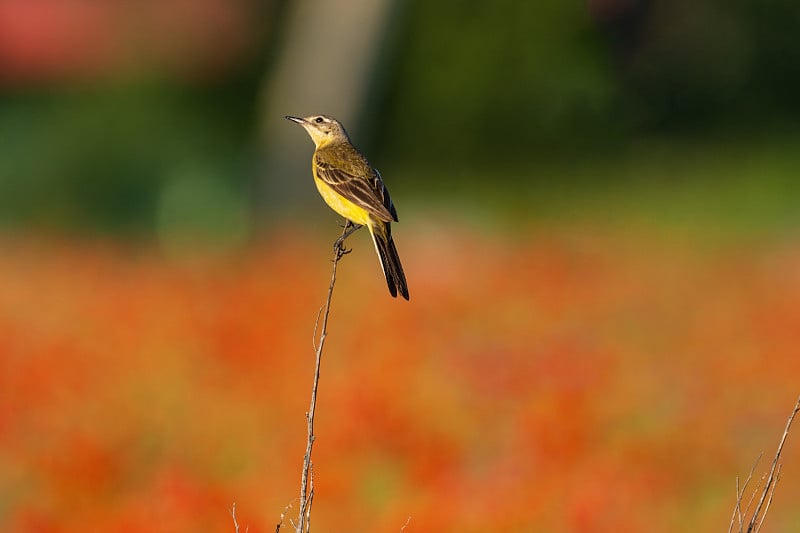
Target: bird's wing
{"x":387,"y":200}
{"x":360,"y":184}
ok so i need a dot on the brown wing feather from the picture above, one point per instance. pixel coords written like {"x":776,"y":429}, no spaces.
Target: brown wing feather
{"x":352,"y":177}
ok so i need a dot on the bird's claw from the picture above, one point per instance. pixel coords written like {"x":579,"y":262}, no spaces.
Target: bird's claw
{"x":338,"y":245}
{"x":341,"y":250}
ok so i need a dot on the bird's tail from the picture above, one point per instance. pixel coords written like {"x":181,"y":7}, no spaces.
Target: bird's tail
{"x":390,"y":261}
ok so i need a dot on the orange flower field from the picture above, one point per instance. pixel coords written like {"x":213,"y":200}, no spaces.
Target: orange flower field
{"x":564,"y":381}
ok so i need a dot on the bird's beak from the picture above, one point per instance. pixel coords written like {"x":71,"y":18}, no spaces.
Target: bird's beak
{"x":299,"y":120}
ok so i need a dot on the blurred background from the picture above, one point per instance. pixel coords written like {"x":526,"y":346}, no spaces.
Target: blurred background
{"x":598,"y":220}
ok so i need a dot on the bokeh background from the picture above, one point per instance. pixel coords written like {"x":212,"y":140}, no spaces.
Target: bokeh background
{"x":598,"y":220}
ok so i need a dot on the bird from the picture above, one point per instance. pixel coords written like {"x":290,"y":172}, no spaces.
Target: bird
{"x":354,"y":189}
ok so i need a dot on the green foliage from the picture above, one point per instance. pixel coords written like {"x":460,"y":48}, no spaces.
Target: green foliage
{"x":99,"y":156}
{"x":496,"y":84}
{"x":491,"y":79}
{"x":514,"y":93}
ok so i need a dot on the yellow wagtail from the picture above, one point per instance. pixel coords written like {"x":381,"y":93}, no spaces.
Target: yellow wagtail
{"x":355,"y":190}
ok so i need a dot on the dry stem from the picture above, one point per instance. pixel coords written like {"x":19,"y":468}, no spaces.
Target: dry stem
{"x":235,"y":522}
{"x":303,"y":524}
{"x":767,"y":493}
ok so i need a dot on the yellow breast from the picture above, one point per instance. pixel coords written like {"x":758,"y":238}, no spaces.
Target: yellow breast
{"x":341,"y":205}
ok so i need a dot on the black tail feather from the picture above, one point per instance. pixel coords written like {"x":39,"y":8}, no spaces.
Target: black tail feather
{"x":390,"y":262}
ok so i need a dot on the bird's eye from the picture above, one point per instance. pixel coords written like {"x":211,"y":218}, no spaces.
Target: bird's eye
{"x":318,"y":120}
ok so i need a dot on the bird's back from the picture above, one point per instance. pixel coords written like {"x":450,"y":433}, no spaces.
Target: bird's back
{"x":345,"y":157}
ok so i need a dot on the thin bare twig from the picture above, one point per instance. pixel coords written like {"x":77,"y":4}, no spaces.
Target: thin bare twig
{"x":306,"y":499}
{"x":772,"y":480}
{"x":737,"y":511}
{"x":769,"y":500}
{"x":232,"y":510}
{"x":235,"y":522}
{"x":767,"y":493}
{"x":753,"y":495}
{"x":283,"y":516}
{"x":310,"y":497}
{"x":316,"y":326}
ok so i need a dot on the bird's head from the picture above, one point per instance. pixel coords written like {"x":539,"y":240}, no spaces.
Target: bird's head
{"x":323,"y":129}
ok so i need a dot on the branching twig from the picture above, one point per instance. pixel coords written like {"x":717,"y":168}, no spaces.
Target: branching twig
{"x":306,"y":484}
{"x":737,"y":511}
{"x":772,"y":480}
{"x":310,"y":496}
{"x":767,"y":493}
{"x":769,"y":500}
{"x":283,"y":516}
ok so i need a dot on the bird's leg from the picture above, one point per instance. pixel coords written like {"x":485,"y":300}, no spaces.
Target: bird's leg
{"x":349,"y":228}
